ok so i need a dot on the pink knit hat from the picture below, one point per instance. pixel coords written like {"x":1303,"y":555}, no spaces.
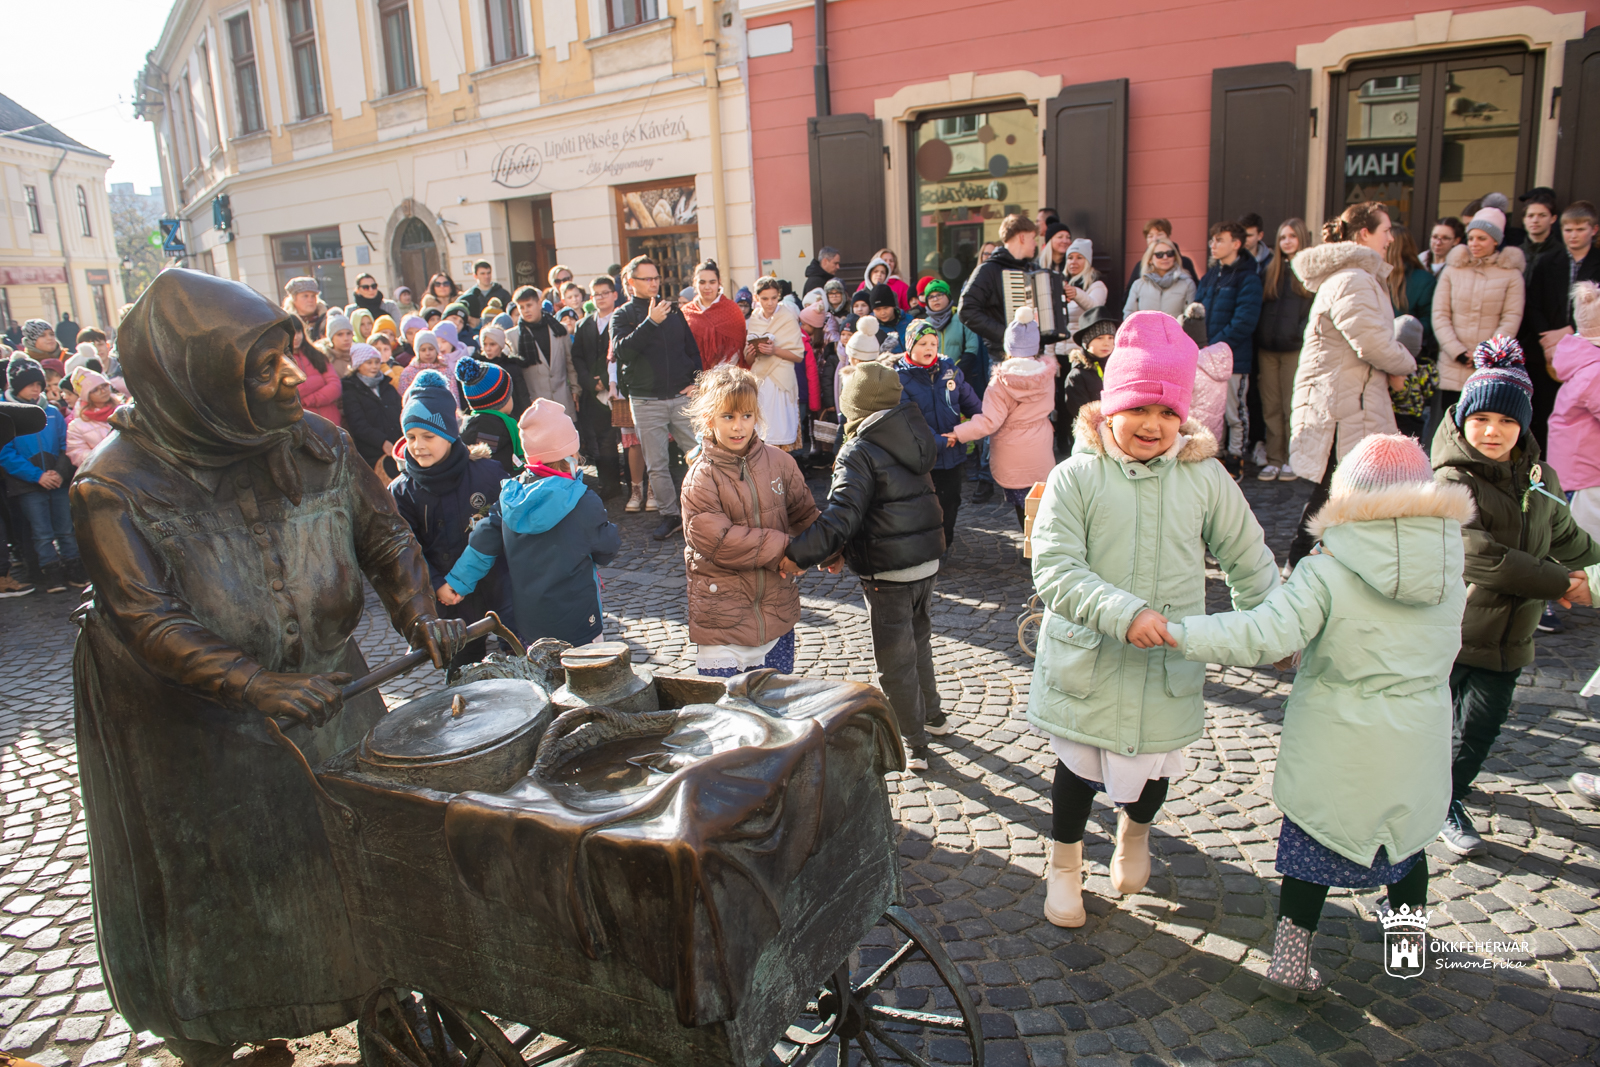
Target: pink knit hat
{"x":1152,"y":362}
{"x":1379,"y":461}
{"x":547,"y":432}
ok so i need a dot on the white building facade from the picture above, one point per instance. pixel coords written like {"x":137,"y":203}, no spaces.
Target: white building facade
{"x":57,"y":249}
{"x":401,"y":138}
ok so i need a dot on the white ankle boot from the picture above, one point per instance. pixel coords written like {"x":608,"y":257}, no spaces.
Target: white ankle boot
{"x":1063,"y":897}
{"x":1130,"y":863}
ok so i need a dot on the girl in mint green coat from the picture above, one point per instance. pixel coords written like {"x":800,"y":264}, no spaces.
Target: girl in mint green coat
{"x":1363,"y":775}
{"x":1118,"y":548}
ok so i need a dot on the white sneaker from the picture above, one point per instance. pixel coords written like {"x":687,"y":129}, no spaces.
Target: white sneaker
{"x":635,"y":499}
{"x":1259,"y":455}
{"x":650,"y":499}
{"x":1286,"y":473}
{"x":917,"y":758}
{"x":1269,"y":473}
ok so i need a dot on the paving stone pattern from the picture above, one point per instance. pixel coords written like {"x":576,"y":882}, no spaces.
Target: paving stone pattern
{"x":1166,"y":977}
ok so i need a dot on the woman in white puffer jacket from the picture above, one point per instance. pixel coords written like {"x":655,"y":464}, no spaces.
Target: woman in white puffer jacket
{"x":1479,"y":295}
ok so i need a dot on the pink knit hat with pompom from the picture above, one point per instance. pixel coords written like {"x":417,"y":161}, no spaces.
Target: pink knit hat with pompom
{"x":1379,"y":461}
{"x":1153,"y":362}
{"x":547,"y":432}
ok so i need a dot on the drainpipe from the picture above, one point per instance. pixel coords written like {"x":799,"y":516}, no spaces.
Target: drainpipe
{"x":61,"y":235}
{"x":819,"y":73}
{"x":719,"y":205}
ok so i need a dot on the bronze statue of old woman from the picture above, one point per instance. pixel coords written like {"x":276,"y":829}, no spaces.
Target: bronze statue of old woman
{"x":226,"y":532}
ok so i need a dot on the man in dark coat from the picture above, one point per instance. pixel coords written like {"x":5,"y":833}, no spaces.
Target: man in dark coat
{"x":983,"y":301}
{"x":591,"y":345}
{"x":67,"y":332}
{"x":821,"y":270}
{"x":227,"y":533}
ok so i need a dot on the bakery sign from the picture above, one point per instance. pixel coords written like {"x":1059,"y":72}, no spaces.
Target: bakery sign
{"x":572,"y":160}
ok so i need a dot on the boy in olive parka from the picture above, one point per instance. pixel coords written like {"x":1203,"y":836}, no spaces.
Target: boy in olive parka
{"x":1522,"y":550}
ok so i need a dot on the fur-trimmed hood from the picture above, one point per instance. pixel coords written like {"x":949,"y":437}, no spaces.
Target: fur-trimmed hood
{"x":1404,"y":541}
{"x":1317,"y":264}
{"x":1027,"y":375}
{"x":1195,"y":442}
{"x":1508,"y":257}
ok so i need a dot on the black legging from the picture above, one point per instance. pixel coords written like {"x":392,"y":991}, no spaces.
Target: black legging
{"x":1071,"y":798}
{"x":1301,"y":902}
{"x":947,"y":484}
{"x":1303,"y":542}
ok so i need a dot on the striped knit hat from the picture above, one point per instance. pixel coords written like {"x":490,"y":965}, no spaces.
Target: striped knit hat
{"x":483,"y":385}
{"x":1379,"y":461}
{"x":1500,"y":384}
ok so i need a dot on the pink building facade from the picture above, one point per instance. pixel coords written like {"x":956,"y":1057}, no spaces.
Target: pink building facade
{"x":946,"y":115}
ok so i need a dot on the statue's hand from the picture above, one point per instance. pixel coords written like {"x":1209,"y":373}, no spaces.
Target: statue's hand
{"x":443,"y":638}
{"x":309,"y":698}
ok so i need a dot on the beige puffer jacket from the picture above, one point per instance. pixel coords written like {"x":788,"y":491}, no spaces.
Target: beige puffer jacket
{"x":738,"y":515}
{"x":1341,"y":384}
{"x":1474,"y":300}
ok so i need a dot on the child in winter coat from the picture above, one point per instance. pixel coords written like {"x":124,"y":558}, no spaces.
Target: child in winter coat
{"x":1016,"y":413}
{"x":1575,"y":422}
{"x":1523,"y":549}
{"x":36,"y":476}
{"x":934,"y":383}
{"x":1085,"y":372}
{"x":1363,"y":777}
{"x":91,"y":422}
{"x":322,"y":389}
{"x":742,"y":501}
{"x":487,"y":389}
{"x":443,"y":488}
{"x":372,"y":409}
{"x":883,"y":516}
{"x":1118,"y":548}
{"x":1211,"y":388}
{"x":430,"y":357}
{"x":553,"y":532}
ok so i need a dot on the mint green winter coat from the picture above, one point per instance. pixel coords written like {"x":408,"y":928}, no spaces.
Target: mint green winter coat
{"x":1364,"y":759}
{"x":1115,"y":536}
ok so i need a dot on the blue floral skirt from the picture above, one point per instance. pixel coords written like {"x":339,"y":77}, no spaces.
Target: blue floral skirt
{"x":1302,"y":856}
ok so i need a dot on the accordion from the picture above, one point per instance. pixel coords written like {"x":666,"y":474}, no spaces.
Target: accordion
{"x":1041,"y":289}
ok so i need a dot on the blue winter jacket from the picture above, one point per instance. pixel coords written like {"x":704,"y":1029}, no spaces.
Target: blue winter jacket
{"x":1232,"y":299}
{"x":16,"y":457}
{"x":442,"y":523}
{"x":555,"y":534}
{"x":942,"y":392}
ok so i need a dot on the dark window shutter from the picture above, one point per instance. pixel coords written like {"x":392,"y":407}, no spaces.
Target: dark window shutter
{"x":1578,"y":137}
{"x":847,"y":208}
{"x":1086,"y":156}
{"x":1260,"y":132}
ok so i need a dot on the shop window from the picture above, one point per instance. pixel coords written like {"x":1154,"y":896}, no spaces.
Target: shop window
{"x":317,"y":254}
{"x":246,"y":81}
{"x":102,"y":306}
{"x":6,"y":317}
{"x":303,"y":55}
{"x":625,"y":13}
{"x":50,"y":308}
{"x":83,"y":212}
{"x":31,"y":195}
{"x":505,"y":30}
{"x":399,"y":66}
{"x":660,"y":220}
{"x":971,"y":170}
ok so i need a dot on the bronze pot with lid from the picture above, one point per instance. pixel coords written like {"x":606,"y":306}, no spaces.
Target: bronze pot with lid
{"x":481,"y":736}
{"x":604,"y":674}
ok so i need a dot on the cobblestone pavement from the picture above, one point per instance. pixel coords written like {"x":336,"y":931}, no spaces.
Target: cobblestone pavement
{"x":1167,"y":977}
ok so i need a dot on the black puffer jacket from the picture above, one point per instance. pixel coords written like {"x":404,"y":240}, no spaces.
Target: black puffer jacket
{"x":882,"y":512}
{"x":371,"y":418}
{"x":654,"y":362}
{"x":1282,"y":326}
{"x":983,"y":301}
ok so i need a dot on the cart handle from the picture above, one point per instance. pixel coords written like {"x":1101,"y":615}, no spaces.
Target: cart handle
{"x":489,"y":624}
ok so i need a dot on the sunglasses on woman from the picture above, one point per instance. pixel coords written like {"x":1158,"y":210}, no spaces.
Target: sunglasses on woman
{"x":1163,"y":255}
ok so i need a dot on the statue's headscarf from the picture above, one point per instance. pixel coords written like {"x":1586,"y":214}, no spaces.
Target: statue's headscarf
{"x":183,"y":347}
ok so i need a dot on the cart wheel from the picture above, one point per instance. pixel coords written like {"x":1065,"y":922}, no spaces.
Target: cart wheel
{"x":865,"y":1030}
{"x":399,"y":1028}
{"x":1028,"y":624}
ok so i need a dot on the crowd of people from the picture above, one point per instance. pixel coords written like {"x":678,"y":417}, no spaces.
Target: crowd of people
{"x":1444,"y":406}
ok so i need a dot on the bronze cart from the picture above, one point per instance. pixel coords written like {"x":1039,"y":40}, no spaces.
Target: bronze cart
{"x":636,"y":870}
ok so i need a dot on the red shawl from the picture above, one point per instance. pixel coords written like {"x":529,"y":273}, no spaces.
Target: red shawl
{"x":718,"y":330}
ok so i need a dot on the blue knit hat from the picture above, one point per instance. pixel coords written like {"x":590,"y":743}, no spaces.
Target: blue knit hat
{"x":483,"y":385}
{"x":429,"y":405}
{"x":1500,"y":384}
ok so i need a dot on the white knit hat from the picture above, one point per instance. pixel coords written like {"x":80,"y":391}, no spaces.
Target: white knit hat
{"x":864,"y":342}
{"x":1084,"y":247}
{"x":1586,"y":309}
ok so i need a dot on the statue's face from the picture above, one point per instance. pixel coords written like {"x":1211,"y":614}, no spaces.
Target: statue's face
{"x":272,"y":383}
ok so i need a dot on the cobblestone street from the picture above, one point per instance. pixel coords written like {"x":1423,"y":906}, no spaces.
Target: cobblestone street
{"x":1168,"y":977}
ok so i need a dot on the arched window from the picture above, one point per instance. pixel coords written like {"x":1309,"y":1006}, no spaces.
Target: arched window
{"x":83,"y":212}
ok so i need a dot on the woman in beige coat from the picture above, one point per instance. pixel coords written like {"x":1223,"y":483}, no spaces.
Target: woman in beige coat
{"x":1341,"y":386}
{"x":1479,"y":295}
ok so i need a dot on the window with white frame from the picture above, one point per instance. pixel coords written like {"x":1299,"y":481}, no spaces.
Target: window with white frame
{"x":246,"y":80}
{"x":624,"y":13}
{"x":399,"y":66}
{"x":83,"y":212}
{"x":504,"y":20}
{"x":31,"y":194}
{"x":303,"y":57}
